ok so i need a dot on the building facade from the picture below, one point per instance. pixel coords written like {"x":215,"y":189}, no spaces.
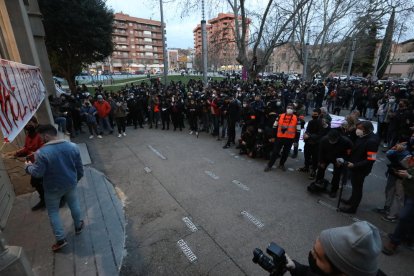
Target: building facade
{"x":221,"y":41}
{"x":21,"y":40}
{"x":138,"y":46}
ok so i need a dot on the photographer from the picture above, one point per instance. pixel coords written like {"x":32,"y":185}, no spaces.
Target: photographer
{"x":349,"y":250}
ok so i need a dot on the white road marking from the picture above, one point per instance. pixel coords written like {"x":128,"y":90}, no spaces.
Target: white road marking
{"x":252,"y":219}
{"x":236,"y":156}
{"x":291,"y":169}
{"x":241,"y":185}
{"x":147,"y":170}
{"x":187,"y":251}
{"x":157,"y":152}
{"x":212,"y":175}
{"x":190,"y":224}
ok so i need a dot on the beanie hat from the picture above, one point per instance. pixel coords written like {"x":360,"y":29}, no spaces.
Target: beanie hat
{"x":353,"y":249}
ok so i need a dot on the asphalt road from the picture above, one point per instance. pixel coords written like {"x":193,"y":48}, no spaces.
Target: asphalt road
{"x":194,"y":208}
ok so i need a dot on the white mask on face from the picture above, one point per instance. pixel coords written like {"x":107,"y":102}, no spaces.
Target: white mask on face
{"x":289,"y":111}
{"x":278,"y":103}
{"x":391,"y":101}
{"x":359,"y":132}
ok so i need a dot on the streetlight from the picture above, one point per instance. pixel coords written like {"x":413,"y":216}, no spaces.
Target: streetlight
{"x":305,"y":64}
{"x":164,"y":50}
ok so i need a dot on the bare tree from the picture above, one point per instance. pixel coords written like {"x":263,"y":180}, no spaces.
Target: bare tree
{"x":333,"y":24}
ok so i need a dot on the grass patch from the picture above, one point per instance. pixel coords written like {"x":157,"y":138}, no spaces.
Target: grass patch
{"x":120,"y":84}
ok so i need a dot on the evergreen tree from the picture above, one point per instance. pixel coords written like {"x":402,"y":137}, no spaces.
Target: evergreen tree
{"x":78,"y":33}
{"x":384,"y":56}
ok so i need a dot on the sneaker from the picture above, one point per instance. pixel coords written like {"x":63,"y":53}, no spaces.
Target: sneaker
{"x":385,"y":145}
{"x":197,"y":134}
{"x":303,"y":169}
{"x":100,"y":136}
{"x":191,"y":133}
{"x":59,"y":244}
{"x":119,"y":135}
{"x":389,"y":218}
{"x":91,"y":137}
{"x":124,"y":134}
{"x":79,"y":229}
{"x":282,"y":167}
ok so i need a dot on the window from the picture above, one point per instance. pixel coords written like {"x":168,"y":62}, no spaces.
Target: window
{"x":148,"y":54}
{"x":146,"y":39}
{"x":124,"y":54}
{"x":131,"y":32}
{"x":148,"y":47}
{"x":133,"y":46}
{"x":130,"y":24}
{"x":133,"y":54}
{"x":147,"y":33}
{"x":132,"y":39}
{"x":283,"y":56}
{"x":155,"y":48}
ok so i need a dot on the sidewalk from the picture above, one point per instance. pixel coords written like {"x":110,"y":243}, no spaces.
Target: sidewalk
{"x":98,"y":250}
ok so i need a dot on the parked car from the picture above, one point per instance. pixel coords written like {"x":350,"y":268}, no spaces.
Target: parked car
{"x":357,"y":79}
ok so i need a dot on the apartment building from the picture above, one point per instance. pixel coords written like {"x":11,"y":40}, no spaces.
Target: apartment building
{"x":221,"y":39}
{"x":138,"y":45}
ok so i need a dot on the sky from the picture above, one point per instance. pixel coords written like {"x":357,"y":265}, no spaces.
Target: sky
{"x":179,"y":31}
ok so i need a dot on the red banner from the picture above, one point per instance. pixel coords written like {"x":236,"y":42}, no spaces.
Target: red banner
{"x":22,"y":90}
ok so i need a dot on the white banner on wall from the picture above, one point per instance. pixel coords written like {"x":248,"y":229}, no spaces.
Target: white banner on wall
{"x":22,"y":90}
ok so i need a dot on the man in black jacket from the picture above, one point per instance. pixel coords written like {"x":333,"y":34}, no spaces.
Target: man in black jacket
{"x":363,"y":156}
{"x":333,"y":149}
{"x":232,"y":114}
{"x":311,"y":138}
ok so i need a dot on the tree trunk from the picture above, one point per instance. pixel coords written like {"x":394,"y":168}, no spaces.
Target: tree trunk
{"x":384,"y":57}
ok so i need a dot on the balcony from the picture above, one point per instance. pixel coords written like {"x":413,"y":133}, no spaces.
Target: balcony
{"x":120,"y":26}
{"x":123,"y":49}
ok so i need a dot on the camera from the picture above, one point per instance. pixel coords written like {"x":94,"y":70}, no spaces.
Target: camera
{"x":276,"y":265}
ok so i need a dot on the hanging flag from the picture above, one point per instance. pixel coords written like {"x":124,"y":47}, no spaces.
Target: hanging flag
{"x":22,"y":90}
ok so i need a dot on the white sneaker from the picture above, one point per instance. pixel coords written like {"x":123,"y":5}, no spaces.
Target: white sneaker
{"x":91,"y":137}
{"x":124,"y":134}
{"x":191,"y":133}
{"x":385,"y":145}
{"x":119,"y":135}
{"x":99,"y":136}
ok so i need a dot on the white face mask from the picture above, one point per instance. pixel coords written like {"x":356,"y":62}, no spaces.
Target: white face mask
{"x":289,"y":111}
{"x":278,"y":103}
{"x":391,"y":101}
{"x":359,"y":132}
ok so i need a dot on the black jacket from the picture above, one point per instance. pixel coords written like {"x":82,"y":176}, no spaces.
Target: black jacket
{"x":364,"y":153}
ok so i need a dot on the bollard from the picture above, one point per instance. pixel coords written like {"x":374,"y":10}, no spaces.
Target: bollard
{"x":13,"y":261}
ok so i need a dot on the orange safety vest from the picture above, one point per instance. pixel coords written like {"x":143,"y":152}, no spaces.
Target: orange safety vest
{"x":287,"y":122}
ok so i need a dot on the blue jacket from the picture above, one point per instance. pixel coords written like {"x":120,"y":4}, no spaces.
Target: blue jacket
{"x":59,"y":163}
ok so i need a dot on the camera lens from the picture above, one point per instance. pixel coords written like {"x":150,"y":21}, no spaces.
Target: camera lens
{"x":261,"y":259}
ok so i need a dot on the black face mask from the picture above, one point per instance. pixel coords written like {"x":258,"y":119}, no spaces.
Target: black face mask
{"x":314,"y":267}
{"x":30,"y":129}
{"x":315,"y":117}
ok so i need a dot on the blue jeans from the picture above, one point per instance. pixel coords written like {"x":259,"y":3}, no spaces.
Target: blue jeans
{"x":52,"y":200}
{"x":405,"y":224}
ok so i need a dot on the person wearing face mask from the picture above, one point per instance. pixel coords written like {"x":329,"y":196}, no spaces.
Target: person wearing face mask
{"x":386,"y":111}
{"x":32,"y":143}
{"x":361,"y":161}
{"x":351,"y":250}
{"x":311,"y":138}
{"x":288,"y":127}
{"x":332,"y":148}
{"x":120,"y":115}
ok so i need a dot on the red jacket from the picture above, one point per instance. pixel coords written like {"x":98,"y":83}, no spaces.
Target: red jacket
{"x":31,"y":145}
{"x":103,"y":108}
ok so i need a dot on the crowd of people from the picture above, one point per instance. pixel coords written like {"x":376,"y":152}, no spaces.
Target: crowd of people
{"x":272,"y":117}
